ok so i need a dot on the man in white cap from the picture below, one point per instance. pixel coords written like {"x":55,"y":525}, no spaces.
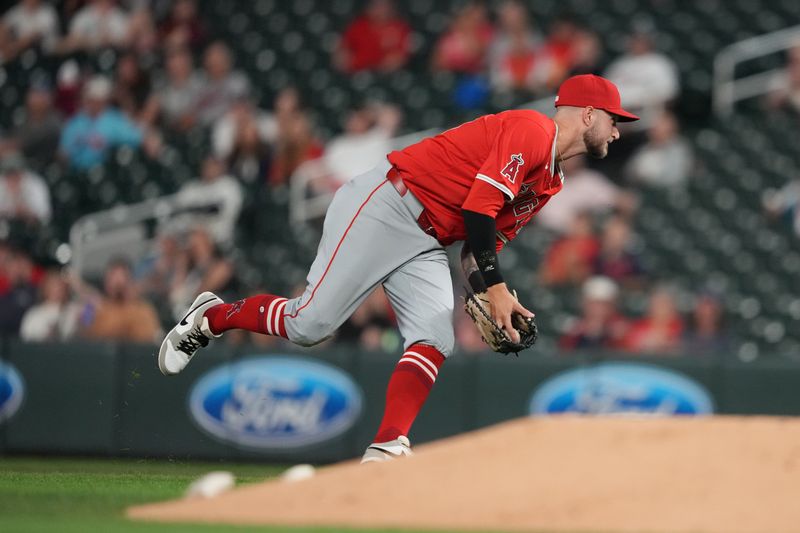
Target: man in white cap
{"x":23,"y":195}
{"x":96,"y":128}
{"x":601,"y":326}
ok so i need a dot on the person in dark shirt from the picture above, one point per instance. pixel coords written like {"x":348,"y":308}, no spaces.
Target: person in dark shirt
{"x":707,"y":334}
{"x":600,"y":326}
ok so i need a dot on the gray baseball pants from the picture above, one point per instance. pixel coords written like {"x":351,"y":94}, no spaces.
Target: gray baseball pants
{"x":371,"y":236}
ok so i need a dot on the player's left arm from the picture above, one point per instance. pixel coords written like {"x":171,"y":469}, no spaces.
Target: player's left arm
{"x":517,"y":149}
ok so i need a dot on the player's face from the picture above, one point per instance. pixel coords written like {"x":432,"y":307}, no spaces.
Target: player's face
{"x":602,"y":132}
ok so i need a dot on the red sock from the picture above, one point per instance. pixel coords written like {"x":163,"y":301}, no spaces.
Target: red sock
{"x":262,"y":313}
{"x":408,"y":389}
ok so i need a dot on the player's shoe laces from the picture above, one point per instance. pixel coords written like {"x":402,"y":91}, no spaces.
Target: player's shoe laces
{"x":188,"y":336}
{"x":379,"y":452}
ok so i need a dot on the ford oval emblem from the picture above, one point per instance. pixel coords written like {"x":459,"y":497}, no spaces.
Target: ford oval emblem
{"x":11,"y":391}
{"x":621,"y":388}
{"x":275,"y":402}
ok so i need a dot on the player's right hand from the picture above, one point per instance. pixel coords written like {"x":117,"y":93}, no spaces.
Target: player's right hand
{"x":504,"y":303}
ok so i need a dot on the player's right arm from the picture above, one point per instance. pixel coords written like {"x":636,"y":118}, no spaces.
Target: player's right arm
{"x":471,"y":271}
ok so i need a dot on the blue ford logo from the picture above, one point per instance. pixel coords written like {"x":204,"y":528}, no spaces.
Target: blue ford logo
{"x":275,"y":402}
{"x":11,"y":391}
{"x":613,"y":388}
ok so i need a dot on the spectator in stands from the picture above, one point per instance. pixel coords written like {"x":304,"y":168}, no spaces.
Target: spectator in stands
{"x":214,"y":201}
{"x":118,"y":313}
{"x":569,"y":260}
{"x":244,"y":138}
{"x":205,"y":269}
{"x":516,"y":61}
{"x":587,"y":52}
{"x":37,"y":132}
{"x":616,"y":258}
{"x":155,"y":273}
{"x":20,"y":291}
{"x":55,"y":317}
{"x":184,"y":27}
{"x":379,"y":39}
{"x":561,"y":48}
{"x":706,"y":334}
{"x":585,"y":190}
{"x":665,"y":160}
{"x":24,"y":195}
{"x":131,"y":87}
{"x":5,"y":258}
{"x":296,"y":144}
{"x":177,"y":95}
{"x":288,"y":102}
{"x":661,"y":330}
{"x":97,"y":128}
{"x":785,"y":202}
{"x":28,"y":24}
{"x":646,"y":78}
{"x":786,"y":93}
{"x":221,"y":85}
{"x":601,"y":326}
{"x":99,"y":24}
{"x":142,"y":34}
{"x":464,"y":46}
{"x":69,"y":82}
{"x":372,"y":325}
{"x":364,"y":143}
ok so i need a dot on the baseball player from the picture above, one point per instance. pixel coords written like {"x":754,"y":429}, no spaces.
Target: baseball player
{"x":480,"y":183}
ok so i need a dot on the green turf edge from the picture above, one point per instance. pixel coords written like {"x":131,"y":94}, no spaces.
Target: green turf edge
{"x":78,"y":495}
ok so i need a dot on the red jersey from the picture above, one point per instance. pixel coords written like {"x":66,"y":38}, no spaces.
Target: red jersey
{"x":501,"y":165}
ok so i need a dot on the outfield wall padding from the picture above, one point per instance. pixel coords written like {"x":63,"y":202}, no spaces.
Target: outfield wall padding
{"x":110,"y":399}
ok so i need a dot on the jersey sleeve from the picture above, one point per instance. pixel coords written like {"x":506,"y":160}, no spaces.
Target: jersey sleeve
{"x":519,"y":147}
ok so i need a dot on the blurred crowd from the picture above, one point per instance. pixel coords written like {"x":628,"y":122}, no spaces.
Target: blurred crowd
{"x":166,"y":74}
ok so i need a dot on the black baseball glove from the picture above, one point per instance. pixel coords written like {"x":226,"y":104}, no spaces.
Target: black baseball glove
{"x":478,"y":308}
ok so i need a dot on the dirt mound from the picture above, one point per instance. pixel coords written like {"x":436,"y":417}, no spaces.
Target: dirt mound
{"x":717,"y":474}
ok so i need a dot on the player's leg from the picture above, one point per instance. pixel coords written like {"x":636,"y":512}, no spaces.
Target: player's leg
{"x":421,"y":294}
{"x":372,"y":234}
{"x":368,"y":232}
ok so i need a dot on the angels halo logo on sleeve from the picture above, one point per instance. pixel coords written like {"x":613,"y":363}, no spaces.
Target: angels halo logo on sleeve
{"x":512,"y":167}
{"x":12,"y":391}
{"x":274,"y":403}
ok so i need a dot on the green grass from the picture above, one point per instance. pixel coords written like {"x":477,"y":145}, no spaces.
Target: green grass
{"x":90,"y":495}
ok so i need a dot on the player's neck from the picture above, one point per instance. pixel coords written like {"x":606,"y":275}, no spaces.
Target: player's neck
{"x":568,"y":140}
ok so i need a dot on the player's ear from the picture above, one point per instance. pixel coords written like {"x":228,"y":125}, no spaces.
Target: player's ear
{"x":588,"y":115}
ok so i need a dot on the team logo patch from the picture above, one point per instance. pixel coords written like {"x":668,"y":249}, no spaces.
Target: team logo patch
{"x":512,"y":167}
{"x":235,"y":308}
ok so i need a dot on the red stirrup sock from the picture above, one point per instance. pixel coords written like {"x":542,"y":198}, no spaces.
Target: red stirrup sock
{"x":408,"y":389}
{"x":262,"y":313}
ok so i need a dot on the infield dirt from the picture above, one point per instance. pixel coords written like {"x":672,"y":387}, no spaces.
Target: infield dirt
{"x":699,"y":475}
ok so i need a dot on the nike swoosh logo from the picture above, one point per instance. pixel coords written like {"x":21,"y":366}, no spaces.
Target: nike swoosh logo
{"x":193,"y":309}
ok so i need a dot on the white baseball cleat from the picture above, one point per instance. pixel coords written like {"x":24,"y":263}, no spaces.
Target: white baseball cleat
{"x":188,"y":335}
{"x":379,"y":452}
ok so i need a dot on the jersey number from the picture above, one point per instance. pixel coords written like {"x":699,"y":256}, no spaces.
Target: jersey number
{"x":512,"y":167}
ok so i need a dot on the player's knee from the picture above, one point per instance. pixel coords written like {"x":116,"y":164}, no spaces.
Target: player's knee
{"x":443,"y":342}
{"x":310,"y":330}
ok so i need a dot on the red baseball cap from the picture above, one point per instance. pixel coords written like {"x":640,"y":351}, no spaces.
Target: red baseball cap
{"x":590,"y":90}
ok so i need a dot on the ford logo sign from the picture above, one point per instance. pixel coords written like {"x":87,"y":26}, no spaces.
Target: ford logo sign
{"x":11,"y":391}
{"x":621,"y":388}
{"x":275,"y":402}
